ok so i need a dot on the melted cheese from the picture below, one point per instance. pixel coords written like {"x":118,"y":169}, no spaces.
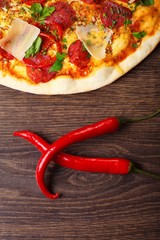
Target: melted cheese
{"x":94,"y":39}
{"x":19,"y":38}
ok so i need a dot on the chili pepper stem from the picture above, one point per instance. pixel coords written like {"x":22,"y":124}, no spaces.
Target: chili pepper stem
{"x":133,"y":120}
{"x":134,"y":169}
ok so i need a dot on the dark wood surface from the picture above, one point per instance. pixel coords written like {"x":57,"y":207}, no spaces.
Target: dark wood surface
{"x":92,"y":206}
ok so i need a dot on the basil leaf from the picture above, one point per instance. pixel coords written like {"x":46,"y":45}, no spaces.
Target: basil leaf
{"x":127,"y":22}
{"x":46,"y":12}
{"x":57,"y":66}
{"x":36,"y":8}
{"x":147,"y":2}
{"x":135,"y":45}
{"x":142,"y":2}
{"x":40,"y":13}
{"x":139,"y":35}
{"x":61,"y":56}
{"x":34,"y":48}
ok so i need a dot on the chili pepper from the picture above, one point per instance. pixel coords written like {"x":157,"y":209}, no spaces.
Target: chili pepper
{"x":97,"y":165}
{"x":49,"y":153}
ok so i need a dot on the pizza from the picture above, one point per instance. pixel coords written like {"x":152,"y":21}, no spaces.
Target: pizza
{"x":64,"y":47}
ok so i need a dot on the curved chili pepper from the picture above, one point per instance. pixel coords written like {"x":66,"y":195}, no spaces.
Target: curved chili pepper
{"x":103,"y":165}
{"x":108,"y":125}
{"x":97,"y":165}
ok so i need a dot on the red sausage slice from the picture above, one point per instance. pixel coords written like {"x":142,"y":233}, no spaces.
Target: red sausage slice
{"x":4,"y":3}
{"x":64,"y":15}
{"x":114,"y":15}
{"x":30,"y":2}
{"x":78,"y":55}
{"x":38,"y":75}
{"x":39,"y":60}
{"x":5,"y":54}
{"x":92,"y":1}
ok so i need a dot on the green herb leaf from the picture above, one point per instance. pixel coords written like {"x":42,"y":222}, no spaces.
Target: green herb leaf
{"x":36,"y":8}
{"x":34,"y":48}
{"x":64,"y":40}
{"x":46,"y":12}
{"x":61,"y":56}
{"x":135,"y":45}
{"x":147,"y":2}
{"x":57,"y":66}
{"x":139,"y":35}
{"x":127,"y":22}
{"x":40,"y":13}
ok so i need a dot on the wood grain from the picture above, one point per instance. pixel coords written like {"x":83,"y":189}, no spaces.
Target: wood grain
{"x":92,"y":205}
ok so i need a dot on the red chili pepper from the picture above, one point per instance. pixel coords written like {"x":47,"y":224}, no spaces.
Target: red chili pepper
{"x":97,"y":165}
{"x":103,"y":165}
{"x":49,"y":152}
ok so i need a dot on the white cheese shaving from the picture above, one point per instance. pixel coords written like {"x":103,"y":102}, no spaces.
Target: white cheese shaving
{"x":131,"y":1}
{"x":70,"y":1}
{"x":94,"y":39}
{"x":19,"y":38}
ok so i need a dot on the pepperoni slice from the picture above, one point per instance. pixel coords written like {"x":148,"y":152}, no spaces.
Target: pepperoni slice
{"x":114,"y":15}
{"x":78,"y":55}
{"x":5,"y":54}
{"x":30,"y":2}
{"x":92,"y":1}
{"x":126,"y":1}
{"x":38,"y":75}
{"x":4,"y":3}
{"x":64,"y":15}
{"x":39,"y":60}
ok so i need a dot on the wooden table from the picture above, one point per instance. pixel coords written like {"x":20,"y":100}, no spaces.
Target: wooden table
{"x":92,"y":205}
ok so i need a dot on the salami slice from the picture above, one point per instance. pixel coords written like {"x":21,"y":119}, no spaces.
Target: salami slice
{"x":92,"y":1}
{"x":30,"y":2}
{"x":5,"y":54}
{"x":38,"y":75}
{"x":114,"y":15}
{"x":4,"y":3}
{"x":64,"y":15}
{"x":39,"y":60}
{"x":78,"y":55}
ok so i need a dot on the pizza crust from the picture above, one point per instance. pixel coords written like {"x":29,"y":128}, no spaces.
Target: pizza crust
{"x":98,"y":78}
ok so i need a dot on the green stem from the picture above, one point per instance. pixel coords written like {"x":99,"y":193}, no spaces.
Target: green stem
{"x":132,"y":120}
{"x":137,"y":170}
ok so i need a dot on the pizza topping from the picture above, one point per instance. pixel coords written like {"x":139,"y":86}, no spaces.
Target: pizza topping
{"x":34,"y":48}
{"x":39,"y":13}
{"x":139,"y":35}
{"x":19,"y":38}
{"x":30,"y":2}
{"x":49,"y":40}
{"x":95,"y":39}
{"x":64,"y":15}
{"x":39,"y":60}
{"x":58,"y":64}
{"x":78,"y":55}
{"x":5,"y":54}
{"x":4,"y":3}
{"x":92,"y":1}
{"x":38,"y":75}
{"x":114,"y":15}
{"x":131,"y":1}
{"x":147,"y":2}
